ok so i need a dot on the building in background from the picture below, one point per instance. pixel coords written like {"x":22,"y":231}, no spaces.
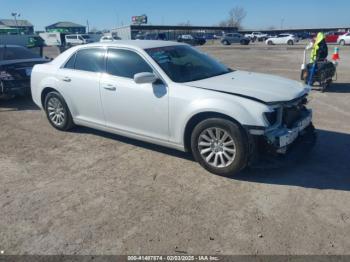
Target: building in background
{"x":66,"y":27}
{"x":12,"y":26}
{"x":165,"y":32}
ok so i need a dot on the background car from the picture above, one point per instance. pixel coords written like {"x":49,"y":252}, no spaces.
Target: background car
{"x":191,"y":40}
{"x":151,"y":36}
{"x":344,"y":39}
{"x":288,"y":39}
{"x":16,"y":63}
{"x":257,"y":36}
{"x":77,"y":39}
{"x":108,"y":38}
{"x":332,"y":37}
{"x":235,"y":38}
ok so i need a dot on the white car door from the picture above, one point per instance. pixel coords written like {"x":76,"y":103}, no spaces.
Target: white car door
{"x":279,"y":39}
{"x":141,"y":109}
{"x":80,"y":84}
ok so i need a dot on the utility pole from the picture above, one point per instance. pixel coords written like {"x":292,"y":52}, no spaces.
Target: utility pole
{"x":282,"y":22}
{"x":15,"y":15}
{"x":88,"y":26}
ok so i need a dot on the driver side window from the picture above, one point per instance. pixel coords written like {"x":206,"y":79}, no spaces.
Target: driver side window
{"x":126,"y":63}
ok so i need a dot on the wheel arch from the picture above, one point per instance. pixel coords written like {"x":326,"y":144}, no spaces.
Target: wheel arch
{"x":44,"y":93}
{"x":199,"y":117}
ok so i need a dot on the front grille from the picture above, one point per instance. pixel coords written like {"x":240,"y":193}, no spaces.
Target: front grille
{"x":292,"y":114}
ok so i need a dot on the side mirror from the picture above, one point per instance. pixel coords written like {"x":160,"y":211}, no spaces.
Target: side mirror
{"x":145,"y":78}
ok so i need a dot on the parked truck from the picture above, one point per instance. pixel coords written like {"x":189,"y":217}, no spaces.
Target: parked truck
{"x":256,"y":36}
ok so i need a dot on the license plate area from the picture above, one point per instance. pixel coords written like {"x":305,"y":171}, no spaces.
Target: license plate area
{"x":292,"y":134}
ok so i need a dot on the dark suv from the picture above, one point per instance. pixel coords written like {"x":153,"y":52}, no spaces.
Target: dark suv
{"x":16,"y":63}
{"x":191,"y":40}
{"x":235,"y":38}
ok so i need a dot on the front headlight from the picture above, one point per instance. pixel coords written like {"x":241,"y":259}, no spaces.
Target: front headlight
{"x":6,"y":76}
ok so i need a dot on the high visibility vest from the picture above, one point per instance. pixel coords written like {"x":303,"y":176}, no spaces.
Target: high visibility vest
{"x":319,"y":38}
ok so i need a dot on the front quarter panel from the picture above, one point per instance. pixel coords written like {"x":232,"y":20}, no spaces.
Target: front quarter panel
{"x":186,"y":102}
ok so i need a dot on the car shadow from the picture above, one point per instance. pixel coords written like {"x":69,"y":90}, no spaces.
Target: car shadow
{"x":17,"y":104}
{"x":338,"y":88}
{"x":325,"y":166}
{"x":134,"y":142}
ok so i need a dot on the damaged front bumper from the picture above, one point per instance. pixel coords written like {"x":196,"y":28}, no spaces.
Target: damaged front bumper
{"x":279,"y":138}
{"x":282,"y":137}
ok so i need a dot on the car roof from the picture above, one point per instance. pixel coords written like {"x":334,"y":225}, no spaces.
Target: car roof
{"x":138,"y":44}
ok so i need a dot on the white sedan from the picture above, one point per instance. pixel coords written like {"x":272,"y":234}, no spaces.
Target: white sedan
{"x":107,"y":39}
{"x":286,"y":39}
{"x":344,"y":39}
{"x":172,"y":95}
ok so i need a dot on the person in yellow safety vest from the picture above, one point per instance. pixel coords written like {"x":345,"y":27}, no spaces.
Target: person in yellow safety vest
{"x":320,"y":49}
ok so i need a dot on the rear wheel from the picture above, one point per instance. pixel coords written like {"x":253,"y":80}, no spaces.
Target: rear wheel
{"x":225,"y":42}
{"x":220,"y":146}
{"x":290,"y":42}
{"x":342,"y":42}
{"x":269,"y":42}
{"x":57,"y":112}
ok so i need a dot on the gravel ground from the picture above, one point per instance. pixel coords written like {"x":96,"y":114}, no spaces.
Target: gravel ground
{"x":89,"y":192}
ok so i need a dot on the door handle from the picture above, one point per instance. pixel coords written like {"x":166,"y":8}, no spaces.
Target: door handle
{"x":66,"y":79}
{"x":110,"y":87}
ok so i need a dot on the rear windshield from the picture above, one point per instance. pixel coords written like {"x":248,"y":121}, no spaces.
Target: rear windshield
{"x":14,"y":53}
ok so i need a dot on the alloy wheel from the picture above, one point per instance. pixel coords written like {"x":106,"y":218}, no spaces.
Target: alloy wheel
{"x":217,"y":147}
{"x":56,"y":111}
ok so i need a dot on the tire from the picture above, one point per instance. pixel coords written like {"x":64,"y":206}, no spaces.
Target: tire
{"x":290,"y":42}
{"x":342,"y":42}
{"x":57,"y":112}
{"x":225,"y":42}
{"x":212,"y":154}
{"x":270,"y":42}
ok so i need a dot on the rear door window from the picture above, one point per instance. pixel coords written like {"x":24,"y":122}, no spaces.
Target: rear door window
{"x":91,"y":60}
{"x":70,"y":63}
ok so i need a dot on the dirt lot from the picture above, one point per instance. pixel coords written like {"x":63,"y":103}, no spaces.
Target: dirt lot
{"x":88,"y":192}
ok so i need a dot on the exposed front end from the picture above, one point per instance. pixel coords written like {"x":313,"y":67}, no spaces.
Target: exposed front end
{"x":288,"y":122}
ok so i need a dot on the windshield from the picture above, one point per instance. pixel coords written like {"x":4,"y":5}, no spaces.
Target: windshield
{"x":185,"y":64}
{"x":13,"y":53}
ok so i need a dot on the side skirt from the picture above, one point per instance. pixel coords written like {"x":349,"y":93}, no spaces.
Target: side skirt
{"x":130,"y":135}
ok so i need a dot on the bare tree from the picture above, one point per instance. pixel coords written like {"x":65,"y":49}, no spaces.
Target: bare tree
{"x":236,"y":16}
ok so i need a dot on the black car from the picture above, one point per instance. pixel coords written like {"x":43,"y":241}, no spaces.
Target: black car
{"x":192,"y":40}
{"x":16,"y":63}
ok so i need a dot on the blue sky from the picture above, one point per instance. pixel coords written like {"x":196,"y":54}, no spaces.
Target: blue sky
{"x":106,"y":14}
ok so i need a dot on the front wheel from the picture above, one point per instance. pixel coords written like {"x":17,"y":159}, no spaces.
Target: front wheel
{"x":57,"y":112}
{"x":270,"y":42}
{"x":226,"y":42}
{"x":220,"y":146}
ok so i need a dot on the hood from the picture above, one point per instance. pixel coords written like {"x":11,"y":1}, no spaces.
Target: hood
{"x":29,"y":60}
{"x":261,"y":87}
